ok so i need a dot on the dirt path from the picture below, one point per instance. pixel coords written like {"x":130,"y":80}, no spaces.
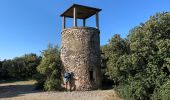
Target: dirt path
{"x":24,"y":90}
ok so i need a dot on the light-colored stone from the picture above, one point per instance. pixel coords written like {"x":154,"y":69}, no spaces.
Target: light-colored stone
{"x":80,"y":54}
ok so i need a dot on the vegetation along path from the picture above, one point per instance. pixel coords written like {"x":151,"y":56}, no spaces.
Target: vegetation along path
{"x":24,"y":90}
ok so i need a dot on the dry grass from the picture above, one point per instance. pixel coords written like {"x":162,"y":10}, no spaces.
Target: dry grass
{"x":24,"y":90}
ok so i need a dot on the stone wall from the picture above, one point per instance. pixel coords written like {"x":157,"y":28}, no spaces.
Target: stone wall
{"x":80,"y":54}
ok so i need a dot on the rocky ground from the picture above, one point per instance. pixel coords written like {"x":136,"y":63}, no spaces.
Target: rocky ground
{"x":24,"y":90}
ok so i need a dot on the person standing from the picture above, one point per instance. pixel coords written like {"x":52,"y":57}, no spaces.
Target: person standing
{"x":67,"y":77}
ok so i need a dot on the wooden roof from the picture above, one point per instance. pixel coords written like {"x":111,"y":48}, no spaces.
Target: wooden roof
{"x":83,"y":12}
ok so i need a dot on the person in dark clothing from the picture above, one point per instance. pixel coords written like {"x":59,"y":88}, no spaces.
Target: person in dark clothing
{"x":67,"y":77}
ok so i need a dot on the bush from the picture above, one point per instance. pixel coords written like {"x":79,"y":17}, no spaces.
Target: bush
{"x":133,"y":90}
{"x":162,"y":93}
{"x":49,"y":69}
{"x":52,"y":84}
{"x":40,"y":78}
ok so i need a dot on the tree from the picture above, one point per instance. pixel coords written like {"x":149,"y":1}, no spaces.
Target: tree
{"x":5,"y":69}
{"x":31,"y":63}
{"x":49,"y":69}
{"x":150,"y":47}
{"x":113,"y":51}
{"x":2,"y":74}
{"x":0,"y":66}
{"x":23,"y":67}
{"x":141,"y":64}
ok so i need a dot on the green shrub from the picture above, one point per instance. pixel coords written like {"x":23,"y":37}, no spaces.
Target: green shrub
{"x":49,"y":69}
{"x":163,"y":93}
{"x":133,"y":90}
{"x":52,"y":84}
{"x":40,"y":78}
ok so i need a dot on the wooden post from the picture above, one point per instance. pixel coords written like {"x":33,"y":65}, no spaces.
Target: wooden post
{"x":75,"y":16}
{"x":64,"y":22}
{"x":97,"y":20}
{"x":84,"y":22}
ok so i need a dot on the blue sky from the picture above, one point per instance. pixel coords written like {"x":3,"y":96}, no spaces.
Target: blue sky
{"x":30,"y":25}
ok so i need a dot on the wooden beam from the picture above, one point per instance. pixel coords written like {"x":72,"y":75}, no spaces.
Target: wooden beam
{"x":64,"y":22}
{"x":97,"y":20}
{"x":84,"y":22}
{"x":75,"y":17}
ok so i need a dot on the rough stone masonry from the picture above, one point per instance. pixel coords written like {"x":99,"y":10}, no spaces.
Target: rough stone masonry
{"x":80,"y":54}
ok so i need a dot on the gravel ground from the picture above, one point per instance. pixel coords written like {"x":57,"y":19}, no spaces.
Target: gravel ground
{"x":24,"y":90}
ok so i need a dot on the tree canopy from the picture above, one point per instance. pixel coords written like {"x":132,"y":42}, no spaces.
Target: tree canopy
{"x":19,"y":67}
{"x":140,"y":64}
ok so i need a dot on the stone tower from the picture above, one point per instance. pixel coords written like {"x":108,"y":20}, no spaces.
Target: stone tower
{"x":80,"y":51}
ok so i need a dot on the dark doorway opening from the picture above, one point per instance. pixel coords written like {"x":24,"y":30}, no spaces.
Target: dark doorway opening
{"x":91,"y":76}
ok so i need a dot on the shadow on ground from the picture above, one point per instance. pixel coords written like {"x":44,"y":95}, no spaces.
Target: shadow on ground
{"x":9,"y":91}
{"x":107,"y":84}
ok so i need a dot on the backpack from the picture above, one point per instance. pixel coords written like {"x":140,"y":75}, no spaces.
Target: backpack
{"x":67,"y":75}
